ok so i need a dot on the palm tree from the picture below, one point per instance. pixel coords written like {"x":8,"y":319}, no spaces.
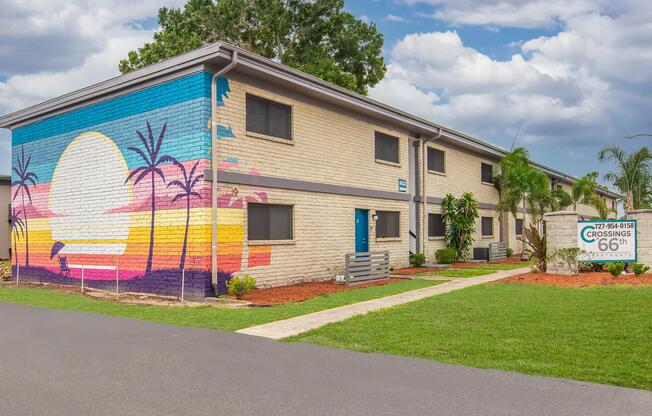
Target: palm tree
{"x":17,"y":227}
{"x":25,"y":177}
{"x":602,"y":208}
{"x":633,"y":175}
{"x":152,"y":162}
{"x":583,"y":190}
{"x":189,"y":182}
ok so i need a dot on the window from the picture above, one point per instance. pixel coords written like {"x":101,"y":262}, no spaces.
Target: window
{"x":487,"y":175}
{"x":387,"y":224}
{"x":613,"y":204}
{"x":269,"y":222}
{"x":519,"y":226}
{"x":435,"y":225}
{"x":386,"y":147}
{"x":487,"y":226}
{"x":269,"y":118}
{"x":436,"y":160}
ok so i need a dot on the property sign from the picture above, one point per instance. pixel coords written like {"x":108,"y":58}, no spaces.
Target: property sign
{"x":402,"y":185}
{"x":607,"y":240}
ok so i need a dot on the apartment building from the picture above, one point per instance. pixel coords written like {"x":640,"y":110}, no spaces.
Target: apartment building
{"x":220,"y":161}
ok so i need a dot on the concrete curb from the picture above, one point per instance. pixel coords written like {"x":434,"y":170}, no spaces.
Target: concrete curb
{"x":303,"y":323}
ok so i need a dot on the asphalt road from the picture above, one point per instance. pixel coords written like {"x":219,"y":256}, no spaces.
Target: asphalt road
{"x":68,"y":363}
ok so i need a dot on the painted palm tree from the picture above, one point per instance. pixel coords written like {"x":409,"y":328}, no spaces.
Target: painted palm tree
{"x":25,"y":178}
{"x":152,"y":162}
{"x":17,"y":229}
{"x":187,"y":191}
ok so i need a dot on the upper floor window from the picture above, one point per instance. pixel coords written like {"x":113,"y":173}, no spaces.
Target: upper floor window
{"x":386,"y":147}
{"x":436,"y":160}
{"x":387,"y":224}
{"x":269,"y":222}
{"x":268,"y":117}
{"x":487,"y":174}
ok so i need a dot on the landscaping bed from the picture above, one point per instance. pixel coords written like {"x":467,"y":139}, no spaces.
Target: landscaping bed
{"x":303,"y":291}
{"x":579,"y":280}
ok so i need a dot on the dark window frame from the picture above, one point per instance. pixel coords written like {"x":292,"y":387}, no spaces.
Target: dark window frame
{"x":267,"y":235}
{"x":267,"y":129}
{"x":443,"y":160}
{"x":382,"y":230}
{"x":482,"y":173}
{"x":396,"y":142}
{"x":482,"y":226}
{"x":433,"y":227}
{"x":522,"y":221}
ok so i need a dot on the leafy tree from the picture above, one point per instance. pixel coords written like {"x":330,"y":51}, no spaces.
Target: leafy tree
{"x":601,"y":206}
{"x":317,"y":37}
{"x":459,"y":215}
{"x":519,"y":181}
{"x":562,"y":198}
{"x":632,"y":176}
{"x":584,"y":190}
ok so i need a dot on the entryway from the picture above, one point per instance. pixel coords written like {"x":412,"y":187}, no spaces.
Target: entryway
{"x":361,"y":230}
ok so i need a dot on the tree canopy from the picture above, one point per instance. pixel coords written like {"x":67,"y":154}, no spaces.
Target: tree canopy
{"x":317,"y":37}
{"x":632,"y":176}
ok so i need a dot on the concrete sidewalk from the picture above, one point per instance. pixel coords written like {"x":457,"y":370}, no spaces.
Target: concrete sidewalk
{"x":300,"y":324}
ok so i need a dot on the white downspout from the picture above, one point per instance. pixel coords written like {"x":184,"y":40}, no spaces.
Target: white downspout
{"x":424,"y":195}
{"x":214,"y":159}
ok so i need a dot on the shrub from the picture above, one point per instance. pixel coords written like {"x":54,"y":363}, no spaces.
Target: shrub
{"x":510,"y":252}
{"x":240,"y":286}
{"x":568,"y":257}
{"x":222,"y":281}
{"x":640,"y":268}
{"x":616,"y":268}
{"x":536,"y":247}
{"x":445,"y":255}
{"x":417,"y":259}
{"x":459,"y":215}
{"x":5,"y":271}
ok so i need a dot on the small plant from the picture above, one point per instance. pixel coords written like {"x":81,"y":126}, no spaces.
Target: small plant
{"x":568,"y":257}
{"x":5,"y":271}
{"x":445,"y":255}
{"x":240,"y":286}
{"x":417,"y":259}
{"x":536,"y":247}
{"x":510,"y":252}
{"x":639,"y":268}
{"x":616,"y":269}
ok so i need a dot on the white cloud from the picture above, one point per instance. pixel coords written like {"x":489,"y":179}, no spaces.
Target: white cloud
{"x":395,"y":18}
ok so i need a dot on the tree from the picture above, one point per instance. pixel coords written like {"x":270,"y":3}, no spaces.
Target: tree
{"x":17,"y":228}
{"x":601,"y":206}
{"x":584,"y":190}
{"x":25,"y":177}
{"x":189,"y":182}
{"x":562,"y":198}
{"x":519,"y":181}
{"x":317,"y":37}
{"x":152,"y":162}
{"x":632,"y":176}
{"x":459,"y":215}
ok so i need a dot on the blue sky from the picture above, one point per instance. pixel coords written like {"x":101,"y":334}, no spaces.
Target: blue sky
{"x":576,"y":76}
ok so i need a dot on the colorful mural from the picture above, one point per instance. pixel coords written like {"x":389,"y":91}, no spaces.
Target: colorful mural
{"x":115,"y":191}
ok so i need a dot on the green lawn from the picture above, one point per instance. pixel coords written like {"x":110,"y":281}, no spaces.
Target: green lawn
{"x":597,"y":334}
{"x":473,"y":271}
{"x":211,"y":317}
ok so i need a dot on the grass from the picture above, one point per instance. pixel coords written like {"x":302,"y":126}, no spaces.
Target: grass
{"x":211,"y":317}
{"x":597,"y":334}
{"x":474,"y":271}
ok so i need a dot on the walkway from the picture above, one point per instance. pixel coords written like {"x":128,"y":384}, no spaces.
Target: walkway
{"x":303,"y":323}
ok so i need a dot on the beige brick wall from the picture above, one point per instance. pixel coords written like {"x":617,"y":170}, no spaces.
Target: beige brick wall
{"x":324,"y":231}
{"x":561,"y":227}
{"x":643,"y":219}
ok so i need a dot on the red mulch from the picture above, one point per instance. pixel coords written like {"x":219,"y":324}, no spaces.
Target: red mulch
{"x":580,"y":280}
{"x":303,"y":291}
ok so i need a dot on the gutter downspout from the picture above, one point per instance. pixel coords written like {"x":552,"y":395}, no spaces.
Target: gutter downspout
{"x":424,"y":195}
{"x":214,"y":160}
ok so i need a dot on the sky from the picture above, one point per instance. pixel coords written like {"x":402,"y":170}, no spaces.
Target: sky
{"x":569,"y":77}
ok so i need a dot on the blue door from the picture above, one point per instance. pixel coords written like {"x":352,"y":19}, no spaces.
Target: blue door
{"x":361,"y":230}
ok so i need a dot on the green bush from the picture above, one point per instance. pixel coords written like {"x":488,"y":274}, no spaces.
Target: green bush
{"x":240,"y":286}
{"x":510,"y":252}
{"x":640,"y":268}
{"x":417,"y":259}
{"x":616,"y":268}
{"x":445,"y":255}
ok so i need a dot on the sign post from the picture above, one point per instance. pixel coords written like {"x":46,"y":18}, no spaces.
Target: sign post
{"x":604,"y":241}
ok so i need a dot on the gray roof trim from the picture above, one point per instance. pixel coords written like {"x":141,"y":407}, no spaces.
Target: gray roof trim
{"x":5,"y":180}
{"x":267,"y":66}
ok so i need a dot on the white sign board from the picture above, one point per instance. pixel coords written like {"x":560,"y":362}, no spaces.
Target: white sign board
{"x":605,"y":241}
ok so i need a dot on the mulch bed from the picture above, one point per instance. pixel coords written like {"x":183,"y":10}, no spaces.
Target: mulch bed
{"x":580,"y":280}
{"x":303,"y":291}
